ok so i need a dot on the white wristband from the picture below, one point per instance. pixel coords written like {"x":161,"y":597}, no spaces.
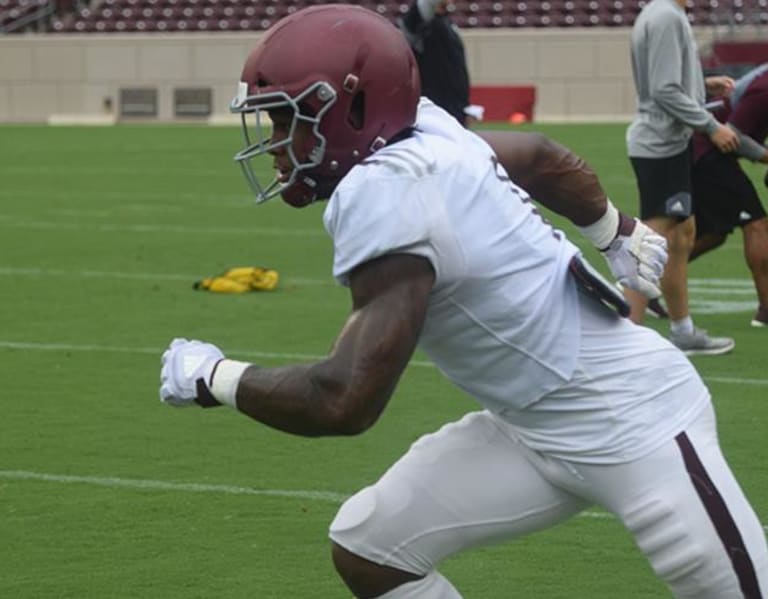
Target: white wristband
{"x":226,"y":377}
{"x":604,"y":230}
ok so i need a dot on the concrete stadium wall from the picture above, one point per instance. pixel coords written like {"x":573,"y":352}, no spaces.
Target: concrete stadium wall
{"x":579,"y":74}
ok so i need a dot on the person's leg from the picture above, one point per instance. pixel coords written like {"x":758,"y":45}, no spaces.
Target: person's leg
{"x":725,"y":197}
{"x":466,"y":485}
{"x":681,"y":236}
{"x":706,"y":243}
{"x":715,"y":200}
{"x":688,"y":515}
{"x":756,"y":255}
{"x":664,"y":187}
{"x":674,"y":282}
{"x":666,"y":205}
{"x":368,"y":579}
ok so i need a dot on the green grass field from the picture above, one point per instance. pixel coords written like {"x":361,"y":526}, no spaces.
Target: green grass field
{"x":106,"y":494}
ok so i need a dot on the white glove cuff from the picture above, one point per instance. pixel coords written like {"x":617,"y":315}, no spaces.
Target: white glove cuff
{"x":226,"y":377}
{"x":604,"y":230}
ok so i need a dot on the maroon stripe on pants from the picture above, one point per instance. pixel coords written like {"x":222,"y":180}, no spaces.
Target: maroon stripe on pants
{"x":721,"y":518}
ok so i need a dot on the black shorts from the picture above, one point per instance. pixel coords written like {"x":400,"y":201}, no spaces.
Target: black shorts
{"x":723,"y":195}
{"x":664,"y":185}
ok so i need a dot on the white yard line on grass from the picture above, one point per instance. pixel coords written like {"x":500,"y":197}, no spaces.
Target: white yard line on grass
{"x":161,"y":485}
{"x":151,"y":228}
{"x":708,"y":296}
{"x":150,"y":276}
{"x":721,"y":286}
{"x":23,"y":345}
{"x":721,"y":283}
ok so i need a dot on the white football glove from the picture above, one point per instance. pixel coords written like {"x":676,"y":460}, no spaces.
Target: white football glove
{"x":183,"y":363}
{"x":637,"y":257}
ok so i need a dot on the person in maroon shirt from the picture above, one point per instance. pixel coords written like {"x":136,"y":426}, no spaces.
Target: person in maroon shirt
{"x":724,"y":196}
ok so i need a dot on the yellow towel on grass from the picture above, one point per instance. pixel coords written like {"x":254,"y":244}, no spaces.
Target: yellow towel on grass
{"x":241,"y":279}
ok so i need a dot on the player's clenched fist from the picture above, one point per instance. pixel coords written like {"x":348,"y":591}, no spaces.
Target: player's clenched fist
{"x":185,"y":365}
{"x":635,"y":253}
{"x":637,"y":257}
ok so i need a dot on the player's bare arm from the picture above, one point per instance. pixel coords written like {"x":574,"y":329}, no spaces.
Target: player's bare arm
{"x":566,"y":184}
{"x":342,"y":394}
{"x":551,"y":173}
{"x":346,"y":392}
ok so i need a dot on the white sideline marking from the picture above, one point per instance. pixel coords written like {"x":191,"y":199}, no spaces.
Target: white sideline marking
{"x":715,"y":291}
{"x":145,"y":350}
{"x":161,"y":485}
{"x":148,"y":228}
{"x":130,"y":200}
{"x":699,"y":306}
{"x":6,"y":344}
{"x":721,"y":282}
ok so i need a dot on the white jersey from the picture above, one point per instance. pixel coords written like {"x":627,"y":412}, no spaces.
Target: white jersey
{"x":504,"y":319}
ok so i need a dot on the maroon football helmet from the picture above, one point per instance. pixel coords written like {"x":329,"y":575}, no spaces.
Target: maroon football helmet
{"x":343,"y":69}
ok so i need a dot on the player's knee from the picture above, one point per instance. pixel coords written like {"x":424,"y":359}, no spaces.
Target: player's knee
{"x":350,"y":524}
{"x":757,"y":230}
{"x":692,"y":564}
{"x":706,"y":243}
{"x":366,"y":578}
{"x":682,"y":237}
{"x":351,"y":537}
{"x":360,"y":542}
{"x":756,"y":244}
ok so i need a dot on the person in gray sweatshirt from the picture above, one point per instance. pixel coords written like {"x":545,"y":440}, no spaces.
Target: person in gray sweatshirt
{"x":671,"y":93}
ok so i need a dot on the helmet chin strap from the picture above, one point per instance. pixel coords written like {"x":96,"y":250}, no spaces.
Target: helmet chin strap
{"x":326,"y":185}
{"x":308,"y":190}
{"x":310,"y":187}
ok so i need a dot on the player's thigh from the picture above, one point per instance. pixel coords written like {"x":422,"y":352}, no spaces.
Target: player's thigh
{"x":468,"y":484}
{"x":689,"y":516}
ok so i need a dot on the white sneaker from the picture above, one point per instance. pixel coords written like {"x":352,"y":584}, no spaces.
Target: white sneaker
{"x":699,"y":343}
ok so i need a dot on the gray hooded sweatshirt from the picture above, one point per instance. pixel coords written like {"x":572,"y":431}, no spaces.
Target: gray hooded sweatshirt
{"x":669,"y":83}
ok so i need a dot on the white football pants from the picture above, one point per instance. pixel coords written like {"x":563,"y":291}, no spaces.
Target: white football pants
{"x":472,"y":483}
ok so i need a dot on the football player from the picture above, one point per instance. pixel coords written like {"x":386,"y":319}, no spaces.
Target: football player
{"x":725,"y":197}
{"x":442,"y":249}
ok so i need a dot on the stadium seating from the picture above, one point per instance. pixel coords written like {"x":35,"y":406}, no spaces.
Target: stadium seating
{"x":16,"y":14}
{"x":249,"y":15}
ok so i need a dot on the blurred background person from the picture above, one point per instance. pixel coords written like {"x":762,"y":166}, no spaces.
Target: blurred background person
{"x":670,"y":88}
{"x":439,"y":52}
{"x":724,"y":196}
